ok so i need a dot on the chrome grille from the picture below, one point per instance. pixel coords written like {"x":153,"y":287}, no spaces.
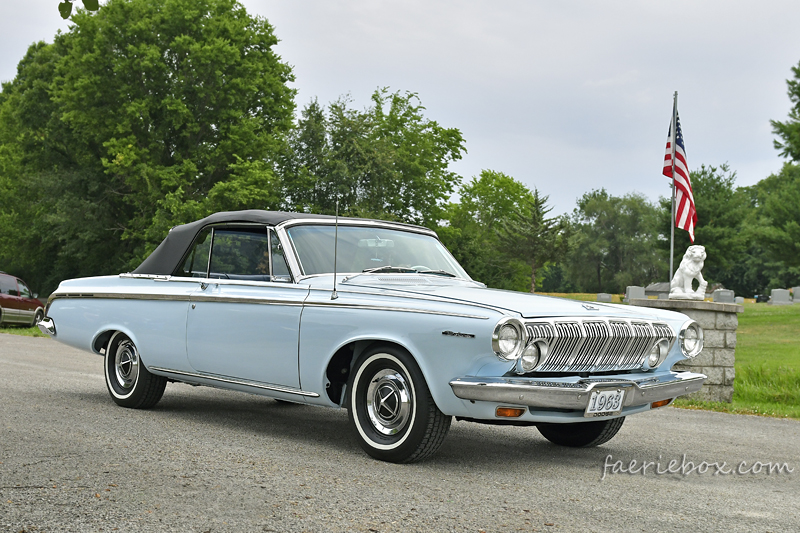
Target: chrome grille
{"x":597,"y":345}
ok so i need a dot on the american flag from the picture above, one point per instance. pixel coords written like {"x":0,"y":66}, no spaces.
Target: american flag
{"x":685,"y":213}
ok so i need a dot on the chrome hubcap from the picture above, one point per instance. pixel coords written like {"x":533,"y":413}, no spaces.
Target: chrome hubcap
{"x":126,"y":364}
{"x":389,"y":402}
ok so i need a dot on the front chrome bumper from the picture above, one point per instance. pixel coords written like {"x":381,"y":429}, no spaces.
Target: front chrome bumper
{"x":575,"y":393}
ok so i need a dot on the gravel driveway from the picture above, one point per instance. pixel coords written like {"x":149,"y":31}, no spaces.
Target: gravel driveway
{"x":212,"y":460}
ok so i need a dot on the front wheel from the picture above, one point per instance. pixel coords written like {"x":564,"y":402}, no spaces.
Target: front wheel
{"x":128,"y":381}
{"x":391,"y":408}
{"x":581,"y":434}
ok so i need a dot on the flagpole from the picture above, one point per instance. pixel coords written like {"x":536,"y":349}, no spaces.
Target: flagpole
{"x":672,"y":214}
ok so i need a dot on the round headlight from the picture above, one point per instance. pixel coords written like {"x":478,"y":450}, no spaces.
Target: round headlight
{"x":509,"y":339}
{"x":657,"y":354}
{"x":691,"y":339}
{"x":530,"y":357}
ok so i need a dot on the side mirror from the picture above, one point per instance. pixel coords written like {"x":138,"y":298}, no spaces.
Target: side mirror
{"x":35,"y":294}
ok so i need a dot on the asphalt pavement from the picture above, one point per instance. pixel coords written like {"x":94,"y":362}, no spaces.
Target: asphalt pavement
{"x":207,"y":460}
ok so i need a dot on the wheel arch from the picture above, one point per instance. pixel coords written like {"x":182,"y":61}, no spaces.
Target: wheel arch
{"x":340,"y":364}
{"x":103,"y":337}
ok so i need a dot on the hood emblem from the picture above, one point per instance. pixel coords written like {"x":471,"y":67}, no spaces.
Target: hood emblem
{"x":589,"y":307}
{"x":456,"y":334}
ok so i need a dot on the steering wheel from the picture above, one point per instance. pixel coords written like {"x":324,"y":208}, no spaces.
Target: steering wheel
{"x":421,"y":267}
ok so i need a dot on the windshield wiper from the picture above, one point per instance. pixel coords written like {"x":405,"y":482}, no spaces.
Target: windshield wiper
{"x":387,"y":268}
{"x":437,"y":273}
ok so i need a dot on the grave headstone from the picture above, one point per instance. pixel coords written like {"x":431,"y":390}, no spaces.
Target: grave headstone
{"x":780,"y":297}
{"x":604,"y":297}
{"x":632,"y":292}
{"x":796,"y":294}
{"x":724,"y":296}
{"x":739,"y":300}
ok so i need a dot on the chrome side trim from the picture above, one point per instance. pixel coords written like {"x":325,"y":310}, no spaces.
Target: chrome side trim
{"x":399,"y":309}
{"x":118,"y":296}
{"x":232,"y":381}
{"x":259,"y":301}
{"x":437,"y":299}
{"x":237,"y":300}
{"x":574,"y":394}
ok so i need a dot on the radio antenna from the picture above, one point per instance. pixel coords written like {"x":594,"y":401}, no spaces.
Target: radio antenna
{"x":334,"y":295}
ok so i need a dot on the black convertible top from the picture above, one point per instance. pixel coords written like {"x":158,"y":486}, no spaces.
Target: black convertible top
{"x":164,"y":259}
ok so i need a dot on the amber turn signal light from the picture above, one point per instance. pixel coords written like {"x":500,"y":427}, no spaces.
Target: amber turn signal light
{"x":662,"y":403}
{"x":509,"y":412}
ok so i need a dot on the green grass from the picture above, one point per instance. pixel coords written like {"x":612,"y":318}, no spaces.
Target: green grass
{"x":769,"y":335}
{"x":22,"y":330}
{"x":767,"y":364}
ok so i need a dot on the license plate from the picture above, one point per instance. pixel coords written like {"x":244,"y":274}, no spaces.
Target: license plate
{"x":604,"y":403}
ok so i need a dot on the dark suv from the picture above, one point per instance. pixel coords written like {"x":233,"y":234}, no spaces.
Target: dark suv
{"x":17,"y":304}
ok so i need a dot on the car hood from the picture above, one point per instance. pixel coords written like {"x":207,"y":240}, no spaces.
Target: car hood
{"x":526,"y":304}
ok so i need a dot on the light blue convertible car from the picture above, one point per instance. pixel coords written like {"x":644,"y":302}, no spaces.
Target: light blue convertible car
{"x":376,"y":317}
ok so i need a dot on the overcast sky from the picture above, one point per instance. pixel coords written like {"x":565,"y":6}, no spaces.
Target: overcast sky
{"x":563,"y":96}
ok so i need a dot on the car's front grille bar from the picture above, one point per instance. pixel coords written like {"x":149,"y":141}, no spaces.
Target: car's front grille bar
{"x":596,"y":344}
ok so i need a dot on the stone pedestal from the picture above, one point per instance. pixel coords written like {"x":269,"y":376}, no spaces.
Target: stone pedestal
{"x":719,"y":322}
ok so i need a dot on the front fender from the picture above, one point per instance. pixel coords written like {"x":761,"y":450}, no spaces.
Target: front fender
{"x":326,"y":329}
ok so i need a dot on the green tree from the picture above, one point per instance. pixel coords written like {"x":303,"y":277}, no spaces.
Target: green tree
{"x":615,"y":243}
{"x":532,"y":237}
{"x":772,"y":259}
{"x":789,"y":131}
{"x":144,"y":115}
{"x":777,"y":201}
{"x":387,"y":161}
{"x":473,"y":226}
{"x":65,"y":7}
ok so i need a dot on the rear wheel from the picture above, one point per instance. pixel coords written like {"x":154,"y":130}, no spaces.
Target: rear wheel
{"x":391,"y":408}
{"x":582,"y":434}
{"x":128,"y":381}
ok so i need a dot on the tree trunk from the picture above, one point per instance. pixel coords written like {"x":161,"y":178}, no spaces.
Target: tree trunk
{"x":533,"y":276}
{"x":599,"y":279}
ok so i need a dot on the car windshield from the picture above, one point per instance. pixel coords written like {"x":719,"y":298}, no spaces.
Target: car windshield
{"x":371,"y":249}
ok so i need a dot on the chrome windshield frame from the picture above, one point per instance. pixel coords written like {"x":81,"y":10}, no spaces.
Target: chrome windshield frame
{"x":296,"y":266}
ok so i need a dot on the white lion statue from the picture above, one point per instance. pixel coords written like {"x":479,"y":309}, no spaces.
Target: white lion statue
{"x":680,"y":287}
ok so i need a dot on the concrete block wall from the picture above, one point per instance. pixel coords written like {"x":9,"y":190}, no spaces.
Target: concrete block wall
{"x":719,"y":323}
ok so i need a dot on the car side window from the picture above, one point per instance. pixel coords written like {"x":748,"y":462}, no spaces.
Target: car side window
{"x":240,"y":254}
{"x":8,"y":285}
{"x":196,"y":263}
{"x":24,"y":291}
{"x":280,"y":268}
